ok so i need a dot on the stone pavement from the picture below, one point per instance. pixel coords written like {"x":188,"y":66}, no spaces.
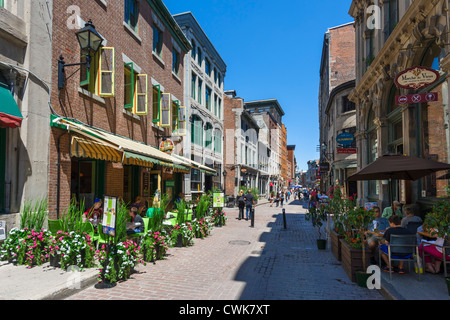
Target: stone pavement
{"x":235,"y":262}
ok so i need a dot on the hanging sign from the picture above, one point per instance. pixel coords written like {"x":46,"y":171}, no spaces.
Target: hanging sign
{"x":416,"y":77}
{"x":347,"y":150}
{"x":417,"y":98}
{"x":109,"y":215}
{"x":166,"y":146}
{"x":345,"y":139}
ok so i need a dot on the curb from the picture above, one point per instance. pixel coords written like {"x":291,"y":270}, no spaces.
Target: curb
{"x":63,"y":291}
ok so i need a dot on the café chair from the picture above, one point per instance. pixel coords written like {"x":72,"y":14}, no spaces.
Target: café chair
{"x":402,"y":248}
{"x":88,"y":228}
{"x":55,"y":225}
{"x":445,"y":252}
{"x":141,"y":234}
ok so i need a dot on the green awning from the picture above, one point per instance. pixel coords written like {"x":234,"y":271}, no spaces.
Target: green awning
{"x":10,"y":115}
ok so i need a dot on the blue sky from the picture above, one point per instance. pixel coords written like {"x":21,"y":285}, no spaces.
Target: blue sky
{"x":272,"y":50}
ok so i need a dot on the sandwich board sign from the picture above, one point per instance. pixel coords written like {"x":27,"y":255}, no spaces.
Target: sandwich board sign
{"x":109,"y":216}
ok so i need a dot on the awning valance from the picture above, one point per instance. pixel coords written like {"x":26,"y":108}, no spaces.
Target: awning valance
{"x":99,"y":144}
{"x":196,"y":165}
{"x":10,"y":115}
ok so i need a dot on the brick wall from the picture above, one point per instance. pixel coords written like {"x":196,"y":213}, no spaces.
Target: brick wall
{"x":342,"y":55}
{"x":107,"y":115}
{"x":229,"y":150}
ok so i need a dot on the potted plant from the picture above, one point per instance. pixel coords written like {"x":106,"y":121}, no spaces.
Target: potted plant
{"x":438,"y":223}
{"x":71,"y":248}
{"x":201,"y":228}
{"x":118,"y":257}
{"x":220,"y":218}
{"x":182,"y":235}
{"x":26,"y":247}
{"x":154,"y":245}
{"x":317,"y":215}
{"x":338,"y":207}
{"x":354,"y":257}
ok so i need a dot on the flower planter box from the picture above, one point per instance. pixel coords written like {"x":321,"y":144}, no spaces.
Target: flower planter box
{"x":336,"y":245}
{"x":352,"y":260}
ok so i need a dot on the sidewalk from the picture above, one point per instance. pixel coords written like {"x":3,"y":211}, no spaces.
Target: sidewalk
{"x":278,"y":264}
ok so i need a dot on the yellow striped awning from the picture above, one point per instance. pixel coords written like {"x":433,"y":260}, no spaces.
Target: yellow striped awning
{"x":88,"y":148}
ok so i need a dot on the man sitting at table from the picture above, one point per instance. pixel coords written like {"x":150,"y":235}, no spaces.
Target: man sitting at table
{"x":380,"y":224}
{"x":395,"y":229}
{"x":137,"y":225}
{"x":388,"y":211}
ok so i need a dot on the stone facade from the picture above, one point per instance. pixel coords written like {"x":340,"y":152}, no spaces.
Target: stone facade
{"x":416,"y":34}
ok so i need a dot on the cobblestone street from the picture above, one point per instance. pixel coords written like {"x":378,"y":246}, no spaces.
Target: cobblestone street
{"x":237,"y":262}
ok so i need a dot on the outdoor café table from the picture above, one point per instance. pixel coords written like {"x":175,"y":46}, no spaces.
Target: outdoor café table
{"x":378,"y":234}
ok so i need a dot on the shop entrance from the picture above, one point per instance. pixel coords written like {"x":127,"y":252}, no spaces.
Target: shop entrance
{"x":87,"y":180}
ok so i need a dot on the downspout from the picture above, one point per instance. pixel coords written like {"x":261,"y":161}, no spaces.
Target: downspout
{"x":58,"y":175}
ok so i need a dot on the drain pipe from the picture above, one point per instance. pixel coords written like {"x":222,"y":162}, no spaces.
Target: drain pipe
{"x":58,"y":174}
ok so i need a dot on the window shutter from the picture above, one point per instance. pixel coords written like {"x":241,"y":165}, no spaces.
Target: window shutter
{"x":166,"y":108}
{"x":107,"y":72}
{"x":182,"y":124}
{"x":141,"y":105}
{"x":156,"y":103}
{"x":128,"y":86}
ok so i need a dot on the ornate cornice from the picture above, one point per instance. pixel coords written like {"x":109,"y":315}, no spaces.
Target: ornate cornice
{"x":393,"y":47}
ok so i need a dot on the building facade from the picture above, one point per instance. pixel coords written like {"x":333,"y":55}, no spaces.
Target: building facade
{"x":336,"y":112}
{"x":114,"y":118}
{"x":404,"y":34}
{"x":25,"y":105}
{"x":204,"y":75}
{"x":269,"y":114}
{"x":241,"y":145}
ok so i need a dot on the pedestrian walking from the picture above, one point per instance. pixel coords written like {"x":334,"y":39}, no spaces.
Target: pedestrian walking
{"x":271,"y":198}
{"x":248,"y":204}
{"x":282,"y":198}
{"x":241,"y":204}
{"x":277,"y":199}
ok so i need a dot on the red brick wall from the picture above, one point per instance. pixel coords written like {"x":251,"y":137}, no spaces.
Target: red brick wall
{"x":229,"y":150}
{"x":109,"y":116}
{"x":342,"y":55}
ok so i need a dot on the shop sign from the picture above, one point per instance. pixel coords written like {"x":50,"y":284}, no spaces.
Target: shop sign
{"x":324,"y":167}
{"x":417,"y":98}
{"x":416,"y":77}
{"x":345,"y":139}
{"x":167,"y":146}
{"x":109,"y":215}
{"x":346,"y":150}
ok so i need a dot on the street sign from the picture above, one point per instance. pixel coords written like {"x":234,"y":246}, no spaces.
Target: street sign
{"x":417,"y":98}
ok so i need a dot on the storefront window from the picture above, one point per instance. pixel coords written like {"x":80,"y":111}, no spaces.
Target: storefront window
{"x":87,"y":180}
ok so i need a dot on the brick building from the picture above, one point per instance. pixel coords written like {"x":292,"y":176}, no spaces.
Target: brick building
{"x":241,"y":145}
{"x":111,"y":118}
{"x":336,"y":112}
{"x":408,"y":34}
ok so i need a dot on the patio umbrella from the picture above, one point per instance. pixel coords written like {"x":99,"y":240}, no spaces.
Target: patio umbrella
{"x":398,"y":167}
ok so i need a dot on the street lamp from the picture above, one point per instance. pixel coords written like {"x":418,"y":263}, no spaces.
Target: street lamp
{"x":90,"y":41}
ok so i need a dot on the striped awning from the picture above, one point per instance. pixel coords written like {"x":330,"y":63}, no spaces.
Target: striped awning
{"x":88,"y":148}
{"x":96,"y":143}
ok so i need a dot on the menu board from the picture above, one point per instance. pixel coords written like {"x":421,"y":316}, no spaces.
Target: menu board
{"x":109,"y":215}
{"x":218,"y":200}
